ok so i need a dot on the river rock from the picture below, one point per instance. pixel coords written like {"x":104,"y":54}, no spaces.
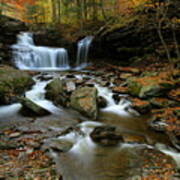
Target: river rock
{"x":60,"y":145}
{"x":31,"y":109}
{"x":56,"y":91}
{"x":116,"y":98}
{"x":13,"y":83}
{"x":106,"y":136}
{"x":157,"y":124}
{"x":84,"y":100}
{"x":102,"y":103}
{"x":141,"y":106}
{"x":149,"y":86}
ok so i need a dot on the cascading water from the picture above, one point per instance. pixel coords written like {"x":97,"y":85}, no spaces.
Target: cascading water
{"x":82,"y":52}
{"x":30,"y":57}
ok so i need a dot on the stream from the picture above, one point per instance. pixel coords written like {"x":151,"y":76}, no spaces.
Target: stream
{"x":84,"y":159}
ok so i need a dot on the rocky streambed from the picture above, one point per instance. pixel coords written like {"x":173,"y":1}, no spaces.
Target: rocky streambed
{"x":106,"y":122}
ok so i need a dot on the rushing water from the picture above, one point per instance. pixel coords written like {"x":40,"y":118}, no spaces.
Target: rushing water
{"x":37,"y":95}
{"x":82,"y":52}
{"x":28,"y":56}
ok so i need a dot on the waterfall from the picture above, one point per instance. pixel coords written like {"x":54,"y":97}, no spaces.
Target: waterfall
{"x":82,"y":52}
{"x":28,"y":56}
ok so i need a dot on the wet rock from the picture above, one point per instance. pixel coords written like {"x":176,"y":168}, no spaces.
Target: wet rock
{"x":84,"y":100}
{"x":149,"y":86}
{"x":106,"y":136}
{"x":116,"y":98}
{"x":102,"y":103}
{"x":13,"y":83}
{"x":31,"y":109}
{"x":70,"y":76}
{"x":60,"y":145}
{"x":141,"y":106}
{"x":56,"y":92}
{"x":157,"y":124}
{"x":120,"y":89}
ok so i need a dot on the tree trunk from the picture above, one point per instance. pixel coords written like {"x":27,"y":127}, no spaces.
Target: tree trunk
{"x":175,"y":42}
{"x":53,"y":9}
{"x":59,"y":10}
{"x":102,"y":10}
{"x":163,"y":43}
{"x":94,"y":10}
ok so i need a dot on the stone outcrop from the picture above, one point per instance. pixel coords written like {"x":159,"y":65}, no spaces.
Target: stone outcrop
{"x":9,"y":29}
{"x":106,"y":136}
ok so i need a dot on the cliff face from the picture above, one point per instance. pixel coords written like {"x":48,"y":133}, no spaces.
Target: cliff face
{"x":9,"y":28}
{"x":126,"y":43}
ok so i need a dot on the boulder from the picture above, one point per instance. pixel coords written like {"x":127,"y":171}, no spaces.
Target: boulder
{"x":106,"y":136}
{"x":84,"y":100}
{"x":56,"y":91}
{"x":13,"y":83}
{"x":148,"y":86}
{"x":32,"y":109}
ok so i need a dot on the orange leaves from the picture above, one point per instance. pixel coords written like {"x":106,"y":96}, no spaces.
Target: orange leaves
{"x":19,"y":7}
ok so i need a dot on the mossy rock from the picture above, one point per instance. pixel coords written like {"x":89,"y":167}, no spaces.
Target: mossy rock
{"x":56,"y":92}
{"x":149,"y":86}
{"x":84,"y":100}
{"x":13,"y":83}
{"x":32,"y":109}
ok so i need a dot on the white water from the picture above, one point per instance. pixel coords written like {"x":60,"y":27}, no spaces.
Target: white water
{"x":81,"y":140}
{"x":28,"y":56}
{"x":82,"y":52}
{"x":9,"y":110}
{"x":37,"y":95}
{"x":122,"y":108}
